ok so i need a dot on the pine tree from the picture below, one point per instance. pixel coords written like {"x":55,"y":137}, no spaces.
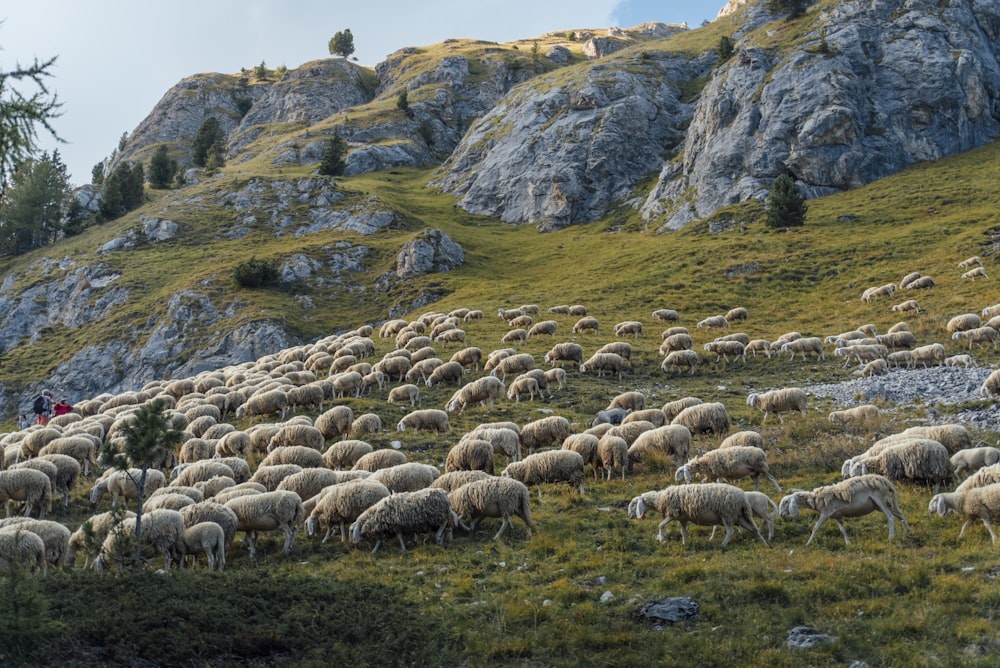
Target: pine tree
{"x":342,"y":43}
{"x":209,"y":135}
{"x":31,"y":215}
{"x":161,"y":168}
{"x":333,"y":163}
{"x":793,"y":8}
{"x":786,"y":207}
{"x":21,"y":114}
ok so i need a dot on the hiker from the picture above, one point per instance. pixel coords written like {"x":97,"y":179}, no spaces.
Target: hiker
{"x":62,"y":407}
{"x":23,"y":422}
{"x":43,"y":407}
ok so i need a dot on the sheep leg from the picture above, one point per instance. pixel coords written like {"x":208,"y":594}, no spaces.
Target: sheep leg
{"x":890,"y":513}
{"x":503,"y":527}
{"x":964,"y":527}
{"x":729,"y":532}
{"x":289,"y":537}
{"x":822,"y":518}
{"x":660,"y":536}
{"x":989,"y":527}
{"x":402,"y":544}
{"x":773,"y":482}
{"x":843,"y":530}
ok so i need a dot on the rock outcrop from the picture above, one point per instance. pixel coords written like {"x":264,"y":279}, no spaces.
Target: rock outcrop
{"x":431,"y":251}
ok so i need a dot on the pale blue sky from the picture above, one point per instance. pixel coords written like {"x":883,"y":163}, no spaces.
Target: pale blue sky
{"x":118,"y":57}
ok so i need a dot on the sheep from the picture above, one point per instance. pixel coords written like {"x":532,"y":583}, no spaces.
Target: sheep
{"x":549,"y":466}
{"x":213,"y":511}
{"x":702,"y":418}
{"x":972,"y":459}
{"x":449,"y":373}
{"x":874,"y":368}
{"x":586,"y":446}
{"x":908,"y":305}
{"x":79,"y":447}
{"x":723,"y":349}
{"x":706,"y":504}
{"x":605,"y":362}
{"x":309,"y":482}
{"x":666,"y":315}
{"x":366,"y":423}
{"x":778,"y":401}
{"x":633,"y":327}
{"x":162,"y":529}
{"x":612,"y":454}
{"x":509,"y":314}
{"x":172,"y":501}
{"x":736,"y":336}
{"x":804,"y":345}
{"x":862,"y":414}
{"x":965,"y":361}
{"x":67,"y":473}
{"x":622,"y":348}
{"x":407,"y":477}
{"x":918,"y":460}
{"x":20,"y":546}
{"x":670,"y":331}
{"x":493,"y":497}
{"x":335,"y":422}
{"x":340,"y":505}
{"x":208,"y":538}
{"x":297,"y":435}
{"x":195,"y":494}
{"x":421,"y":370}
{"x":964,"y":322}
{"x":524,"y":321}
{"x":270,"y":476}
{"x":543,"y":432}
{"x":714,"y":322}
{"x":515,"y":336}
{"x":679,"y":341}
{"x":451,"y":336}
{"x":524,"y":385}
{"x":55,"y":537}
{"x":672,"y":409}
{"x":430,"y":419}
{"x":543,"y":328}
{"x":734,"y":463}
{"x":973,"y":274}
{"x":268,"y":511}
{"x":897,"y":340}
{"x":670,"y":440}
{"x":91,"y":534}
{"x":426,"y":510}
{"x":300,"y":455}
{"x":953,"y":437}
{"x":680,"y":360}
{"x":562,"y":309}
{"x":654,"y":416}
{"x":586,"y":324}
{"x":124,"y":483}
{"x":557,"y":377}
{"x":483,"y":391}
{"x":518,"y":363}
{"x":628,"y":430}
{"x":981,"y":503}
{"x":853,"y":497}
{"x":933,"y":352}
{"x":345,"y":454}
{"x":991,"y":311}
{"x":468,"y":357}
{"x":922,"y":283}
{"x":743,"y":438}
{"x":991,"y":386}
{"x":470,"y":455}
{"x":265,"y":403}
{"x":613,"y":416}
{"x":978,"y":335}
{"x":495,"y":357}
{"x":37,"y":439}
{"x":630,"y":401}
{"x":900,"y":358}
{"x":379,"y":459}
{"x":973,"y":261}
{"x":505,"y":441}
{"x":887,"y":290}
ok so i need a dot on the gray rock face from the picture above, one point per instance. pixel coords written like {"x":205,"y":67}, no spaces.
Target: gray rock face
{"x":672,"y":609}
{"x":875,"y":89}
{"x":806,"y":637}
{"x":157,"y":230}
{"x":431,"y":251}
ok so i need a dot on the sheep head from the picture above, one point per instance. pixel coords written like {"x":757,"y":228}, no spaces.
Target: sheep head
{"x":789,"y":506}
{"x":636,"y":509}
{"x":939,"y":506}
{"x":683,"y":474}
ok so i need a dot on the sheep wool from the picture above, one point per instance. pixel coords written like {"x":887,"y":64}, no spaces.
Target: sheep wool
{"x":379,"y":459}
{"x":483,"y":391}
{"x":982,"y":503}
{"x":408,"y":477}
{"x":22,"y":547}
{"x":212,"y":511}
{"x":546,"y":431}
{"x":493,"y":497}
{"x":430,"y":419}
{"x":269,"y":511}
{"x":300,"y":455}
{"x":706,"y":504}
{"x":207,"y":538}
{"x":734,"y":463}
{"x":612,"y":455}
{"x":780,"y":401}
{"x":344,"y":454}
{"x":423,"y":511}
{"x":672,"y":441}
{"x":702,"y":418}
{"x":548,"y":467}
{"x":470,"y":455}
{"x":54,"y":535}
{"x":342,"y":504}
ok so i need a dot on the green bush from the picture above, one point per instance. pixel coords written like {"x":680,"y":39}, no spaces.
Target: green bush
{"x":256,"y":273}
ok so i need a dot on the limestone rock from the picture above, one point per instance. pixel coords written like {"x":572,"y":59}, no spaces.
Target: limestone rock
{"x":431,"y":251}
{"x":806,"y":637}
{"x":157,"y":230}
{"x":672,"y":609}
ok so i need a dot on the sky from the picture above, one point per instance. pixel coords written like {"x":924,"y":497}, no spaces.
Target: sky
{"x":117,"y":58}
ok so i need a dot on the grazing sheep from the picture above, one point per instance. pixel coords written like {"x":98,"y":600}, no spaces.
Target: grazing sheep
{"x":379,"y":459}
{"x":900,"y":358}
{"x":544,"y":432}
{"x":341,"y":504}
{"x":723,"y":349}
{"x":586,"y":446}
{"x":423,"y":511}
{"x":208,"y":538}
{"x":743,"y":438}
{"x":565,"y":352}
{"x":470,"y":455}
{"x":972,"y":459}
{"x":804,"y":345}
{"x":524,"y":385}
{"x":421,"y":370}
{"x":933,"y":352}
{"x":562,"y":309}
{"x":877,"y":367}
{"x":991,"y":386}
{"x":978,"y":335}
{"x":496,"y":356}
{"x":19,"y":546}
{"x":366,"y":423}
{"x":449,"y":373}
{"x":124,"y":484}
{"x":345,"y":454}
{"x":973,"y":274}
{"x":714,"y":322}
{"x":407,"y":477}
{"x":679,"y":341}
{"x":265,"y":403}
{"x":922,"y":283}
{"x":702,"y":418}
{"x":612,"y":454}
{"x":494,"y":497}
{"x":965,"y":361}
{"x":81,"y":448}
{"x":268,"y":511}
{"x":290,"y":434}
{"x":430,"y":419}
{"x":55,"y":537}
{"x":270,"y":476}
{"x":519,"y":335}
{"x":629,"y":401}
{"x":666,"y":315}
{"x":736,"y":314}
{"x":858,"y":414}
{"x":505,"y":441}
{"x":309,"y":482}
{"x":853,"y":497}
{"x":628,"y":430}
{"x":672,"y":409}
{"x":483,"y":391}
{"x":680,"y":360}
{"x":973,"y":261}
{"x":982,"y":503}
{"x":918,"y":460}
{"x":452,"y":480}
{"x":605,"y":362}
{"x":518,"y":363}
{"x":543,"y":328}
{"x":740,"y":461}
{"x":100,"y":526}
{"x":897,"y":340}
{"x":335,"y":422}
{"x":908,"y":305}
{"x":509,"y":314}
{"x":651,"y":415}
{"x":758,"y":346}
{"x":172,"y":501}
{"x":873,"y":293}
{"x":549,"y":466}
{"x":451,"y":336}
{"x":300,"y":455}
{"x":468,"y":358}
{"x":586,"y":324}
{"x":964,"y":322}
{"x":162,"y":530}
{"x":578,"y":310}
{"x":670,"y":440}
{"x":779,"y":401}
{"x":557,"y":377}
{"x":991,"y":311}
{"x":707,"y":504}
{"x":633,"y":327}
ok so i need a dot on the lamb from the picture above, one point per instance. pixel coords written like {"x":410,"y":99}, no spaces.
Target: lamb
{"x":933,"y":352}
{"x":853,"y":497}
{"x":779,"y":401}
{"x":379,"y":459}
{"x":758,"y":346}
{"x":366,"y":423}
{"x":265,"y":403}
{"x":449,"y":373}
{"x":877,"y":367}
{"x":918,"y":460}
{"x":805,"y":345}
{"x":213,"y":511}
{"x":557,"y":377}
{"x":973,"y":274}
{"x":743,"y":438}
{"x":483,"y":391}
{"x":633,"y":327}
{"x":543,"y":328}
{"x":208,"y":538}
{"x":605,"y":362}
{"x":268,"y":511}
{"x":965,"y":361}
{"x":543,"y":432}
{"x":672,"y":409}
{"x":714,"y":322}
{"x":900,"y":358}
{"x":908,"y":305}
{"x":408,"y":512}
{"x":858,"y":414}
{"x":408,"y":393}
{"x":972,"y":459}
{"x":470,"y":455}
{"x":55,"y":537}
{"x":666,"y":315}
{"x":733,"y":463}
{"x":702,"y":418}
{"x":586,"y":324}
{"x":981,"y":503}
{"x":430,"y":419}
{"x":991,"y":386}
{"x":524,"y":385}
{"x":670,"y":440}
{"x":408,"y":477}
{"x":723,"y":349}
{"x":468,"y":357}
{"x":505,"y":441}
{"x":549,"y":466}
{"x":978,"y":335}
{"x":706,"y":504}
{"x":518,"y":363}
{"x":22,"y":547}
{"x":629,"y":401}
{"x":340,"y":505}
{"x":586,"y":446}
{"x":163,"y":530}
{"x":493,"y":497}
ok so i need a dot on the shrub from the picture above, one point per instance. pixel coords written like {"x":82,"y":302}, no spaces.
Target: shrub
{"x":785,"y":205}
{"x":256,"y":273}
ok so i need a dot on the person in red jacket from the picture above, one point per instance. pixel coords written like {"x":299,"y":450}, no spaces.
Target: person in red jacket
{"x":62,"y":407}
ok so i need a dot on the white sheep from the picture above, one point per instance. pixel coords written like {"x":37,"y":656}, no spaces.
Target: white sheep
{"x":991,"y":311}
{"x":922,"y":283}
{"x":605,"y":362}
{"x":666,"y":315}
{"x":449,"y":373}
{"x":80,"y":447}
{"x":379,"y":459}
{"x":877,"y":367}
{"x":776,"y":402}
{"x":971,"y":460}
{"x":407,"y":477}
{"x":714,"y":322}
{"x":344,"y":454}
{"x":452,"y":480}
{"x":431,"y":419}
{"x":213,"y":511}
{"x":565,"y":352}
{"x":483,"y":391}
{"x":557,"y":377}
{"x":55,"y":536}
{"x":208,"y":538}
{"x":300,"y":455}
{"x":973,"y":274}
{"x":268,"y":511}
{"x":918,"y":460}
{"x":271,"y":476}
{"x":965,"y":361}
{"x":265,"y":403}
{"x":517,"y":363}
{"x":963,"y":322}
{"x":505,"y":441}
{"x":524,"y":384}
{"x":468,"y":357}
{"x":672,"y":441}
{"x":805,"y":345}
{"x":544,"y":432}
{"x":586,"y":324}
{"x":707,"y":504}
{"x":982,"y":503}
{"x":451,"y":336}
{"x":291,"y":434}
{"x":612,"y":454}
{"x":309,"y":482}
{"x":857,"y":414}
{"x":493,"y":497}
{"x":908,"y":305}
{"x":743,"y":438}
{"x":973,"y":261}
{"x":933,"y":352}
{"x":733,"y":463}
{"x":426,"y":510}
{"x":736,"y":314}
{"x":978,"y":335}
{"x":723,"y":349}
{"x":18,"y":546}
{"x":633,"y":327}
{"x":678,"y":341}
{"x":340,"y":505}
{"x":680,"y":360}
{"x":366,"y":423}
{"x":853,"y":497}
{"x":335,"y":422}
{"x":586,"y":446}
{"x":549,"y":466}
{"x":901,"y":358}
{"x":163,"y":530}
{"x":91,"y":534}
{"x":124,"y":484}
{"x":543,"y":328}
{"x":991,"y":386}
{"x":519,"y":335}
{"x":470,"y":455}
{"x":704,"y":417}
{"x":672,"y":409}
{"x":652,"y":415}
